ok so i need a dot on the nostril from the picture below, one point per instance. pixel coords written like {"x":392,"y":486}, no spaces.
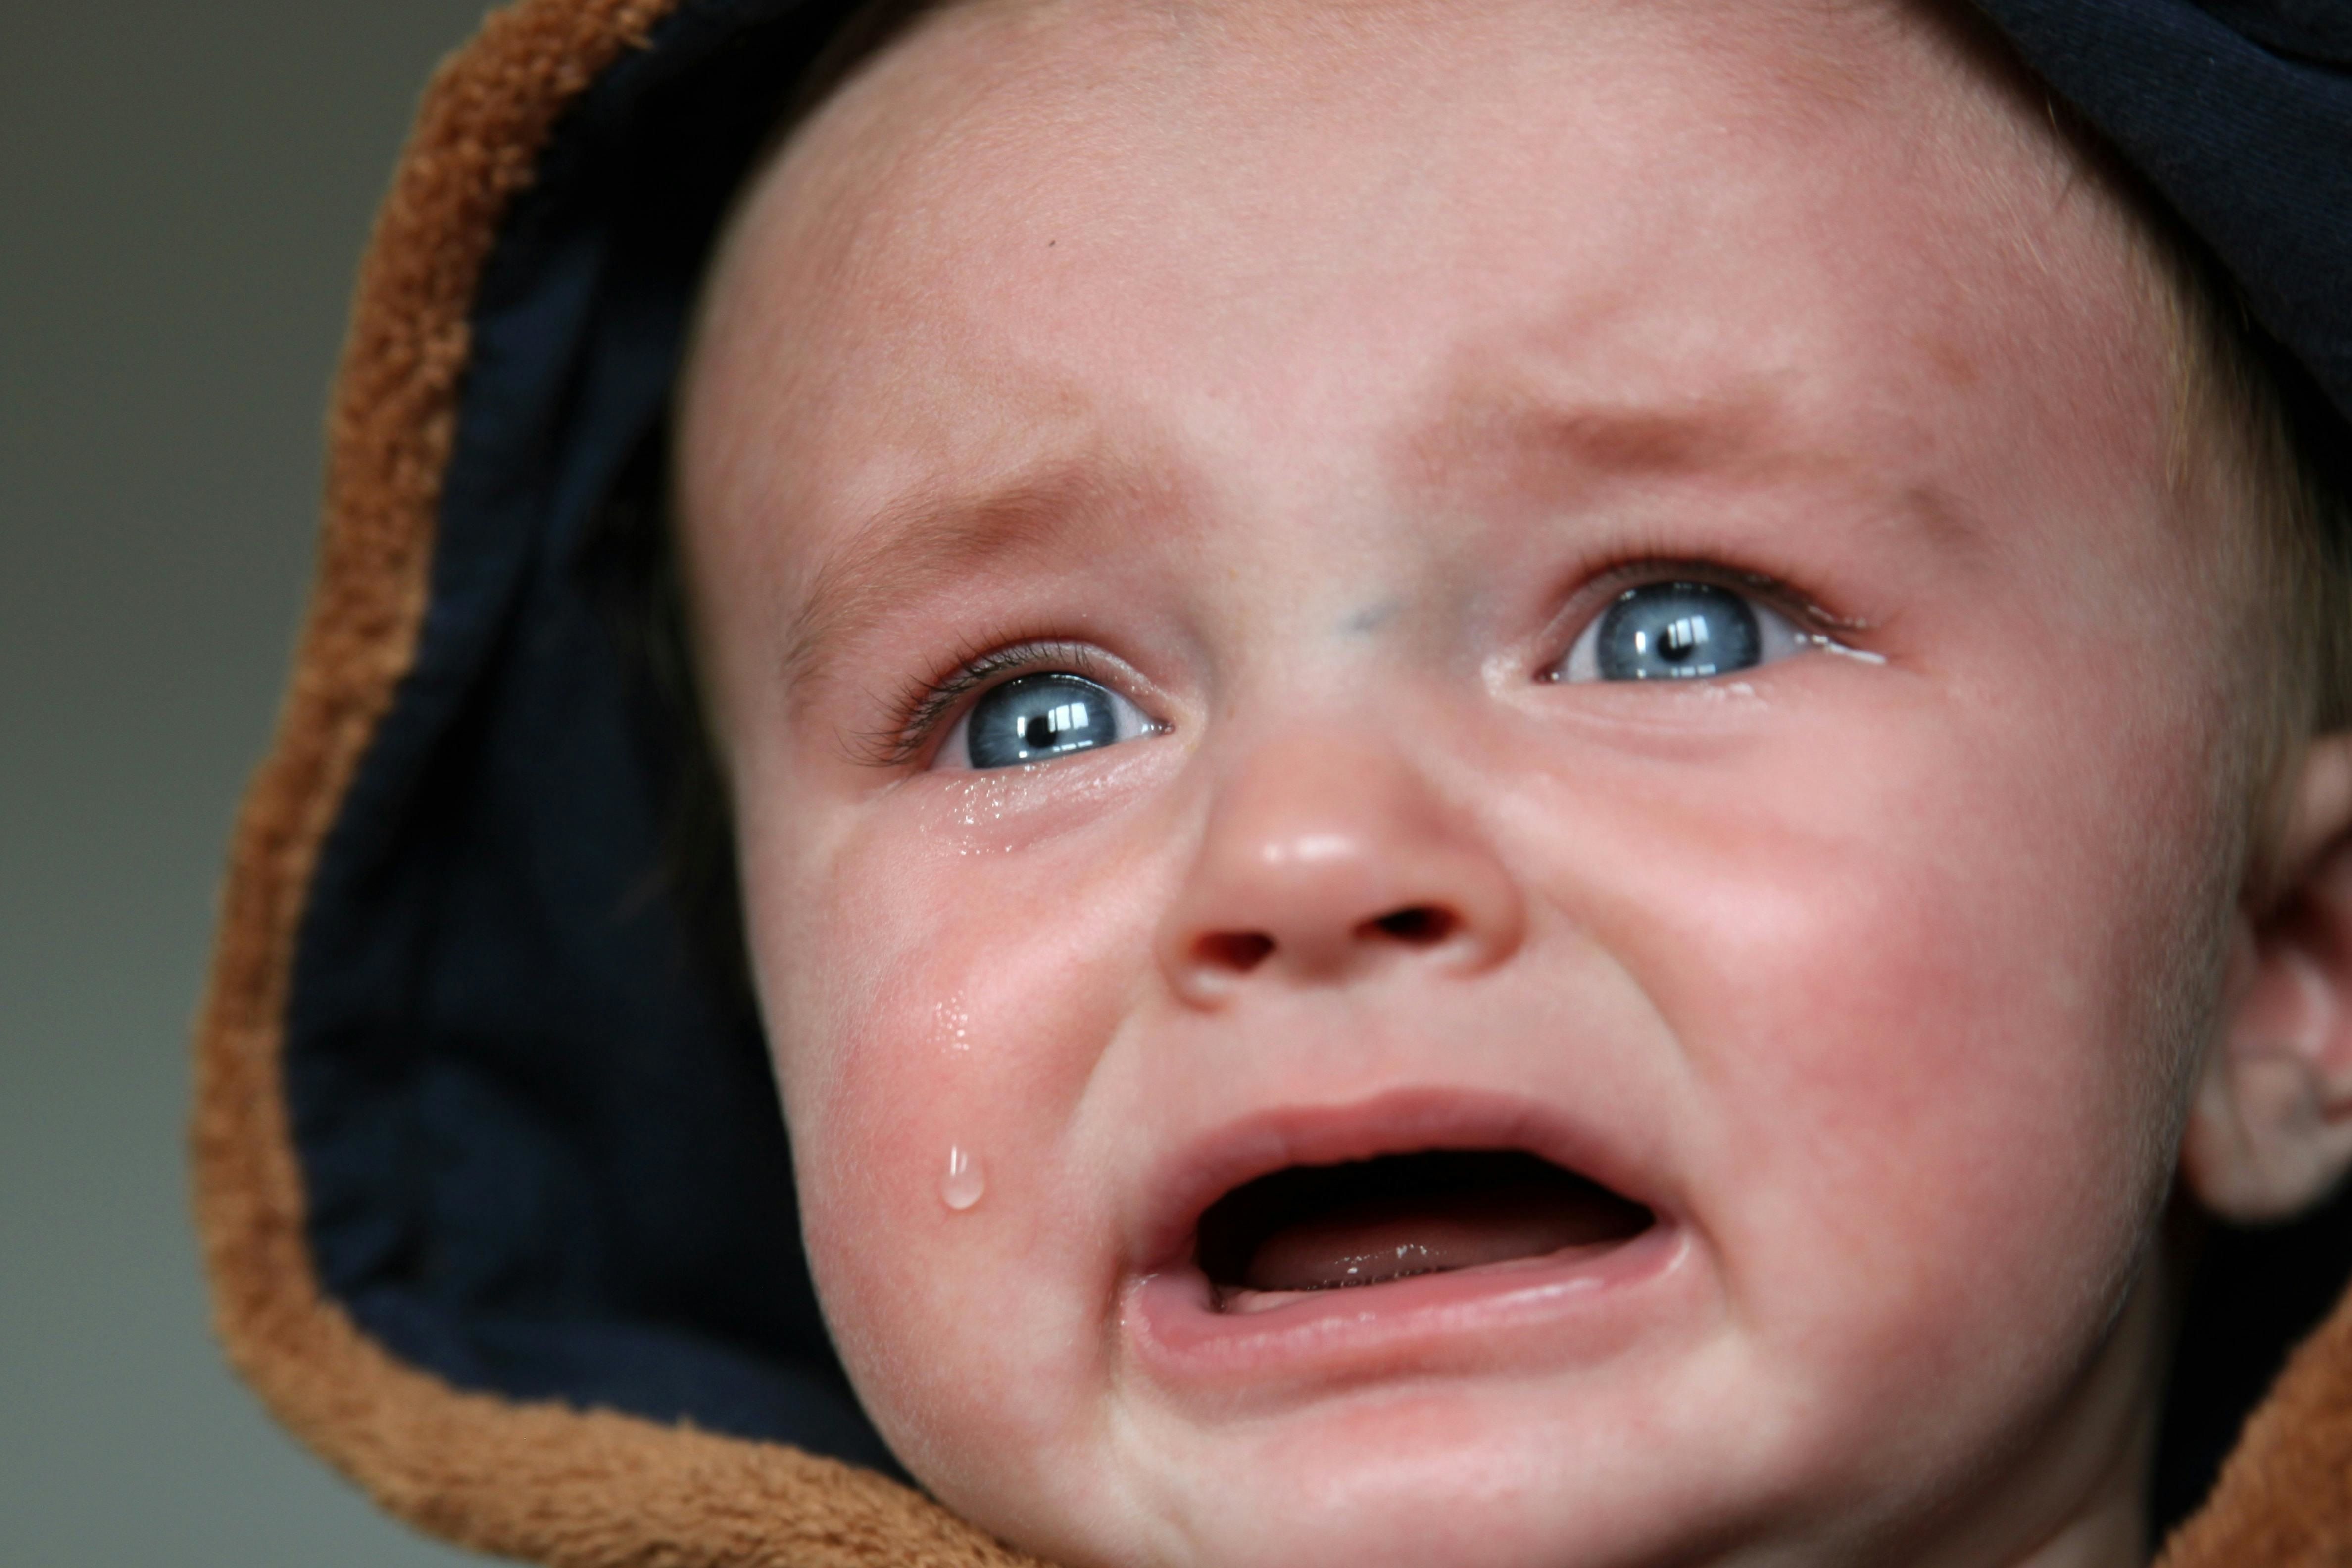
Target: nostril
{"x":1417,"y":925}
{"x":1238,"y":951}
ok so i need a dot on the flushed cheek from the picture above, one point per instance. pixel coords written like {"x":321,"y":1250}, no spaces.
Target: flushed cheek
{"x":1932,"y":1075}
{"x":1940,"y":1113}
{"x":937,"y":1020}
{"x":1904,"y":953}
{"x":1949,"y":1204}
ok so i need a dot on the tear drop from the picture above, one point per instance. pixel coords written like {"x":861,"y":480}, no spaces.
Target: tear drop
{"x":964,"y":1184}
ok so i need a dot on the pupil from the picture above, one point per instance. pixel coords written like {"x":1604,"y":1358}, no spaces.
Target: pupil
{"x":1039,"y":731}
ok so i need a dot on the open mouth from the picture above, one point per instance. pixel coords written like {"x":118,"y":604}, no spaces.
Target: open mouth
{"x":1371,"y":1222}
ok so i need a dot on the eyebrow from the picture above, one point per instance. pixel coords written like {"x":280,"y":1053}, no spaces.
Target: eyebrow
{"x":1634,"y":439}
{"x":1603,"y":436}
{"x":1742,"y":433}
{"x":932,"y":535}
{"x":920,"y":541}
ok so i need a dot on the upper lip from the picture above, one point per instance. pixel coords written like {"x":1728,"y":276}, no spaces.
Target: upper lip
{"x":1184,"y":1183}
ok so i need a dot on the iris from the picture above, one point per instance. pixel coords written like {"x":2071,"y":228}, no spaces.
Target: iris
{"x":1676,"y":631}
{"x":1034,"y":717}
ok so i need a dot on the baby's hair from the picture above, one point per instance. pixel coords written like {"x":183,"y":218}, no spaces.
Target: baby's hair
{"x":2250,"y":432}
{"x":2247,"y":405}
{"x":2254,"y":432}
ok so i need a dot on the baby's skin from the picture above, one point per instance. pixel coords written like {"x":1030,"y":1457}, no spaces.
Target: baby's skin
{"x":1284,"y":583}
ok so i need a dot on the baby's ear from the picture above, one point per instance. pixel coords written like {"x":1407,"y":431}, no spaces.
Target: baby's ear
{"x":2270,"y":1133}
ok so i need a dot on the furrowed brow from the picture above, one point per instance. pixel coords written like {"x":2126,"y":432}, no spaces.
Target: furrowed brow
{"x":1741,"y":435}
{"x":1508,"y":421}
{"x":919,"y":544}
{"x":1632,"y":438}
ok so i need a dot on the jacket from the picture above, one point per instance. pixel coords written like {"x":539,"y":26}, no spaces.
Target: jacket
{"x":494,"y":1197}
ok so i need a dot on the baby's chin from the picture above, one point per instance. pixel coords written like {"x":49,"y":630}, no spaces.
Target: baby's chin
{"x":1688,"y":1439}
{"x":1498,"y":1471}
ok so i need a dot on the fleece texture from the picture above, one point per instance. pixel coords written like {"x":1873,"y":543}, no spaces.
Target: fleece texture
{"x":542,"y":1479}
{"x":539,"y":1482}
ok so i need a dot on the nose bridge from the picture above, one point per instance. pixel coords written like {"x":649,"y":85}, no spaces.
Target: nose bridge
{"x":1328,"y":854}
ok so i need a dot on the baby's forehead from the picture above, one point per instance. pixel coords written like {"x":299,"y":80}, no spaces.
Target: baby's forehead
{"x":1022,"y":224}
{"x":984,"y":90}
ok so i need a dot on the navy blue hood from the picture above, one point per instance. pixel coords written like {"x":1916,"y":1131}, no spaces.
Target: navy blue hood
{"x":538,"y":1143}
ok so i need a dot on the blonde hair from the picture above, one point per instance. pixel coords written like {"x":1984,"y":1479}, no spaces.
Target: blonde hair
{"x":2253,"y":429}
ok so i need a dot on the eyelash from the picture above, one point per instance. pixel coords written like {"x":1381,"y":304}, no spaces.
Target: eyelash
{"x":926,"y":705}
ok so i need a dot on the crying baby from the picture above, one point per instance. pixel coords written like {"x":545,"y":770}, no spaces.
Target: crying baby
{"x":1517,"y":781}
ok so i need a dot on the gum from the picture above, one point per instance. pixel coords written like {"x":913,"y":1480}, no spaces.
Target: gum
{"x":1581,"y":1301}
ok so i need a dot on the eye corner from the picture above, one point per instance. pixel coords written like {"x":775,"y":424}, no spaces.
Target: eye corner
{"x":1835,"y":648}
{"x":879,"y":751}
{"x":894,"y":746}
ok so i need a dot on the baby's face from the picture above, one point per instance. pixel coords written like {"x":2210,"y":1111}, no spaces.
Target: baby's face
{"x":1536,"y":658}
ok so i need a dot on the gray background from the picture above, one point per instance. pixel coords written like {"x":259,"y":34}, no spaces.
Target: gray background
{"x":185,"y":188}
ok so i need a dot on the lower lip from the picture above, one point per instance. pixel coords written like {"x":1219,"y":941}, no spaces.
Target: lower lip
{"x":1578,"y":1304}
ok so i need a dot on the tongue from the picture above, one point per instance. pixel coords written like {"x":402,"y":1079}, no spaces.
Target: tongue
{"x":1390,"y":1237}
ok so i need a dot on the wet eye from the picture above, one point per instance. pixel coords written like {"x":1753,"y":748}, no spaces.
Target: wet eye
{"x":1033,"y":718}
{"x":1678,"y":631}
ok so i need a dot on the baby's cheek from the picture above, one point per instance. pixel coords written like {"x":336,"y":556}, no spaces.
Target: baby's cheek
{"x":1938,"y":1101}
{"x":1945,"y":1094}
{"x":936,"y":1021}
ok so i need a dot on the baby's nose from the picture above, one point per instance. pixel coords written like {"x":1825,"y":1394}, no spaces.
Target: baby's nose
{"x":1326,"y":859}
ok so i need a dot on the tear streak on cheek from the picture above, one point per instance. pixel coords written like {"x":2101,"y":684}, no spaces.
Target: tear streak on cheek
{"x":948,"y":1004}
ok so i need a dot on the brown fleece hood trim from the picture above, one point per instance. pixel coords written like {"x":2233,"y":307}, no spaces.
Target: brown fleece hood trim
{"x":2284,"y":1496}
{"x":544,"y":1481}
{"x":541,"y":1482}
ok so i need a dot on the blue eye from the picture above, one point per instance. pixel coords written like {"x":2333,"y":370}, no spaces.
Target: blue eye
{"x":1033,"y":718}
{"x":1678,"y":631}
